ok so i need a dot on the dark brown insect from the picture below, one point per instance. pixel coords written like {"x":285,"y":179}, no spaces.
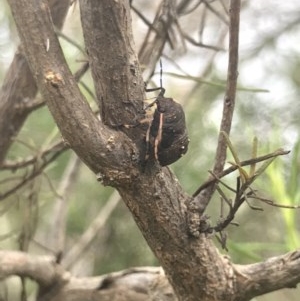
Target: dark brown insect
{"x":167,"y":138}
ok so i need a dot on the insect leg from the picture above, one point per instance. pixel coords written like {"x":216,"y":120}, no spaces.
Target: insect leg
{"x":148,"y":141}
{"x":159,"y":135}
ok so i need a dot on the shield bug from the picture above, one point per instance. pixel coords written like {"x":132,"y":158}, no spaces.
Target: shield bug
{"x":166,"y":137}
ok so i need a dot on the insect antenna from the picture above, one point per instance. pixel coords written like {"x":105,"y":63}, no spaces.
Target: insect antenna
{"x":162,"y":90}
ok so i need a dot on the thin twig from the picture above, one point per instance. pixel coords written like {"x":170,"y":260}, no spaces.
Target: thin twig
{"x":36,"y":103}
{"x":81,"y":71}
{"x":144,"y":19}
{"x":87,"y":237}
{"x":209,"y":60}
{"x":272,"y":203}
{"x":200,"y":80}
{"x":56,"y":240}
{"x":214,"y":179}
{"x":37,"y":170}
{"x":70,"y":41}
{"x":218,"y":14}
{"x":229,"y":100}
{"x":230,"y":94}
{"x":15,"y":165}
{"x":224,"y":6}
{"x":200,"y":44}
{"x":191,"y":9}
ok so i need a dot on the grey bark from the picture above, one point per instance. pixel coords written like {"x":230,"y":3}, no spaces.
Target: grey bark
{"x":193,"y":265}
{"x":19,"y":87}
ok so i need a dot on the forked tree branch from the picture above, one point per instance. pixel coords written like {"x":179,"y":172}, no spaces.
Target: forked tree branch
{"x":260,"y":278}
{"x":57,"y":284}
{"x":88,"y":137}
{"x":229,"y":98}
{"x":232,"y":168}
{"x":199,"y":203}
{"x":156,"y":200}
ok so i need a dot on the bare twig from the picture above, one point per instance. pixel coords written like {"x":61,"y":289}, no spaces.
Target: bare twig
{"x":87,"y":237}
{"x":244,"y":192}
{"x":159,"y":33}
{"x":209,"y":60}
{"x":37,"y":170}
{"x":154,"y":42}
{"x":36,"y":103}
{"x":274,"y":204}
{"x":229,"y":101}
{"x":200,"y":44}
{"x":192,"y":8}
{"x":56,"y":239}
{"x":224,"y":6}
{"x":200,"y":80}
{"x":15,"y":165}
{"x":214,"y":11}
{"x":81,"y":71}
{"x":233,"y":168}
{"x":70,"y":41}
{"x":143,"y":18}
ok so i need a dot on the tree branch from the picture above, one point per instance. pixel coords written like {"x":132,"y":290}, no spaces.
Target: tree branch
{"x":232,"y":168}
{"x":42,"y":269}
{"x":57,"y":236}
{"x":155,"y":198}
{"x":37,"y":168}
{"x":99,"y":147}
{"x":200,"y":201}
{"x":250,"y":280}
{"x":58,"y":285}
{"x":118,"y":83}
{"x":19,"y":87}
{"x":264,"y":277}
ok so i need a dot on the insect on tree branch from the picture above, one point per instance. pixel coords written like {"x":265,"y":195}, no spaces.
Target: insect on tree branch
{"x":166,"y":137}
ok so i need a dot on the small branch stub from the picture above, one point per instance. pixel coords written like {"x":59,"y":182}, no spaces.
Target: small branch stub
{"x":54,"y":79}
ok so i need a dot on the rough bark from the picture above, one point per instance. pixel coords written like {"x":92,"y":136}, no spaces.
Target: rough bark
{"x":145,"y":283}
{"x":19,"y":87}
{"x":156,"y":200}
{"x":57,"y":284}
{"x":116,"y":73}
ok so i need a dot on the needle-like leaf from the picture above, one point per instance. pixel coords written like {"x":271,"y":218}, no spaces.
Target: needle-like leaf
{"x":253,"y":156}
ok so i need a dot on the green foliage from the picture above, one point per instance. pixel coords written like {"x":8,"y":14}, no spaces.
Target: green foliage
{"x":284,"y":187}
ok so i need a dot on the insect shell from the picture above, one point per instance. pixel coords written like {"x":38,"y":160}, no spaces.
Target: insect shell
{"x":169,"y":136}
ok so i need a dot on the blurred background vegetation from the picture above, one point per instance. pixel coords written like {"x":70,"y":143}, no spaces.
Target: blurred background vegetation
{"x":267,"y":107}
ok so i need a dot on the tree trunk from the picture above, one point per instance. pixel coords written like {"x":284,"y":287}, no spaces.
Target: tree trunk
{"x":193,"y":265}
